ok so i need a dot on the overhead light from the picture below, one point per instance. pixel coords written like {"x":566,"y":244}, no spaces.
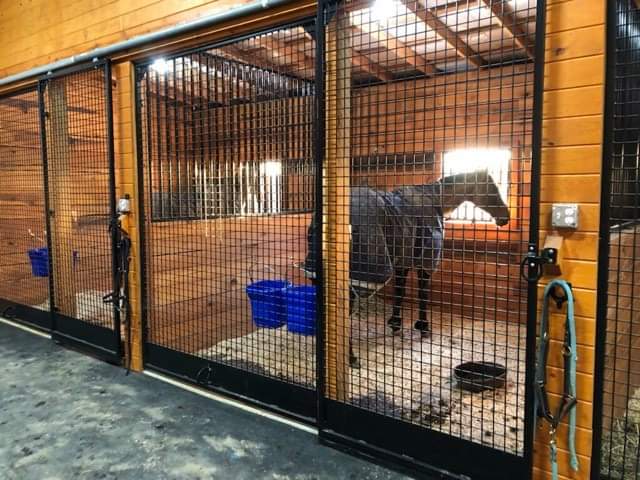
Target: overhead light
{"x":160,"y":65}
{"x":382,"y":10}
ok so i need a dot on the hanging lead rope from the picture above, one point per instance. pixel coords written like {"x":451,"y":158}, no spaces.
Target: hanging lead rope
{"x":568,"y":402}
{"x":120,"y":296}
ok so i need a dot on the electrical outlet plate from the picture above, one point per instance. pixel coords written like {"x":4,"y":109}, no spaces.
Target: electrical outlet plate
{"x":564,"y":215}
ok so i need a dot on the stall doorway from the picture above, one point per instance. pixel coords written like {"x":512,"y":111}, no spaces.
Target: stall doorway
{"x":429,"y":208}
{"x":78,"y":157}
{"x":227,"y":162}
{"x":24,"y":267}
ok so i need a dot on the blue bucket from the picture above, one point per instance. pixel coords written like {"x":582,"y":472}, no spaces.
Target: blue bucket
{"x":267,"y":302}
{"x":39,"y":258}
{"x":301,"y":309}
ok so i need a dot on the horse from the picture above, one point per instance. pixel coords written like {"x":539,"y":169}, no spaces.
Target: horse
{"x":401,"y":230}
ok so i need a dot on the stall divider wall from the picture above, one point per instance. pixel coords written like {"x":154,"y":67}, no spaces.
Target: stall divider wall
{"x":570,"y":168}
{"x":571,"y":154}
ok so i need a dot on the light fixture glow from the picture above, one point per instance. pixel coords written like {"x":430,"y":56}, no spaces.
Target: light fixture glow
{"x":382,"y":10}
{"x":160,"y":65}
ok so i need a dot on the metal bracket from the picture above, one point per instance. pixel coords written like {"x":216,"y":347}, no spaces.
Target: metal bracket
{"x":531,"y":267}
{"x":561,"y":298}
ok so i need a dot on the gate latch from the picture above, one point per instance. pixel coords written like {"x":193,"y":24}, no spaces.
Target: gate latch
{"x":532,"y":265}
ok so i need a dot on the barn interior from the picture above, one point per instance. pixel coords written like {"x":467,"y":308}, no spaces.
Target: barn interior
{"x":226,"y":143}
{"x":230,"y":186}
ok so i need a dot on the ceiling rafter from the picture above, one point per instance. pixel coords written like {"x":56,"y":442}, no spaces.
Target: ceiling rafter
{"x":507,"y":18}
{"x":289,"y":52}
{"x":365,"y":63}
{"x":397,"y":47}
{"x":443,"y":30}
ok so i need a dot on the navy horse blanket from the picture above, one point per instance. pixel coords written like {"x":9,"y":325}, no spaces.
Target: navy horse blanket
{"x":400,"y":229}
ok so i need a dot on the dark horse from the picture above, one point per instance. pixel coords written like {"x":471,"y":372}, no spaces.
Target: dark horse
{"x":395,"y":232}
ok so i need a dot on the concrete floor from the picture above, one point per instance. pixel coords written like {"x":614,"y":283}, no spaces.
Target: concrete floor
{"x":66,"y":416}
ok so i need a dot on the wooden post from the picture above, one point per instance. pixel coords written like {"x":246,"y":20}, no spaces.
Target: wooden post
{"x":61,"y":192}
{"x":336,"y":186}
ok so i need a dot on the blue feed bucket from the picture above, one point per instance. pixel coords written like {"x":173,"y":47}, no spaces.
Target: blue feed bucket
{"x":301,"y":309}
{"x":39,"y":258}
{"x":267,"y":302}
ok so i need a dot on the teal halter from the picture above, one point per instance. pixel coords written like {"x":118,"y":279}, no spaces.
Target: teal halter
{"x":568,"y":402}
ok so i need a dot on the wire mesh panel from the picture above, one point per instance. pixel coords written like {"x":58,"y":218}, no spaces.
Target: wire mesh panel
{"x":24,"y":264}
{"x":227,"y":158}
{"x":427,"y":207}
{"x":77,"y":122}
{"x":619,"y":285}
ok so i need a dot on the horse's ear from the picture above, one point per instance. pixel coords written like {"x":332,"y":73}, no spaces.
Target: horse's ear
{"x":483,"y":175}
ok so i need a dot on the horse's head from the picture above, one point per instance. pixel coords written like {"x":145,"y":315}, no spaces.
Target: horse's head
{"x":480,"y":188}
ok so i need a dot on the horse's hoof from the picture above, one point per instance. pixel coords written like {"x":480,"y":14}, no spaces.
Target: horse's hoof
{"x":355,"y":363}
{"x":395,"y":329}
{"x":423,"y":328}
{"x":395,"y":324}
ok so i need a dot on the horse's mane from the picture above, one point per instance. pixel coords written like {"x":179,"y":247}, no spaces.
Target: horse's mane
{"x":478,"y":176}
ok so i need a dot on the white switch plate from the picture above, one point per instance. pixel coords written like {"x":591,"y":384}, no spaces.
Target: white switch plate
{"x":564,"y":215}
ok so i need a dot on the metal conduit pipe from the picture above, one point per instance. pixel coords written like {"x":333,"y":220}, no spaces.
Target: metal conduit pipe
{"x":146,"y":38}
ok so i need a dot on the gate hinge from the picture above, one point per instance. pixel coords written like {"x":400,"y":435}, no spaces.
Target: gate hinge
{"x":532,"y":265}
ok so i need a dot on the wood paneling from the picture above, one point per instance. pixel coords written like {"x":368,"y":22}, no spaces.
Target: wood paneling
{"x":571,"y":162}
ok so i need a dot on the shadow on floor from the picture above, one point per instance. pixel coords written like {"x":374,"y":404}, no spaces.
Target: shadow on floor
{"x":66,"y":416}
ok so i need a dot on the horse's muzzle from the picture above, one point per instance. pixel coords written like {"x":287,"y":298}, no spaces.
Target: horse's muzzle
{"x":502,"y":221}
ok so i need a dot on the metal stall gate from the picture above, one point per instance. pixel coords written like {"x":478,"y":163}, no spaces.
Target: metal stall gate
{"x":24,"y":289}
{"x":429,"y":206}
{"x":77,"y":138}
{"x":226,"y":163}
{"x":616,"y":447}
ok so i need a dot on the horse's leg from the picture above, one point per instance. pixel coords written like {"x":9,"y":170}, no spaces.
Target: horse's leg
{"x":400,"y":280}
{"x":423,"y":293}
{"x":353,"y":360}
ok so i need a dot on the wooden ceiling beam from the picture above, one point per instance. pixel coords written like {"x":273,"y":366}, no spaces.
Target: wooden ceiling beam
{"x":365,"y":63}
{"x":508,"y":19}
{"x":443,"y":30}
{"x":281,"y":49}
{"x":397,"y":47}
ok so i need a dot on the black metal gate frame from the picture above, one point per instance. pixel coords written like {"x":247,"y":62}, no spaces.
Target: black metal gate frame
{"x":370,"y":435}
{"x":604,"y":239}
{"x":99,"y":341}
{"x":283,"y":398}
{"x":33,"y":317}
{"x":374,"y":436}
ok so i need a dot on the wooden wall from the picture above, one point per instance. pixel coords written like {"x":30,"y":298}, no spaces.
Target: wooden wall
{"x":571,"y":163}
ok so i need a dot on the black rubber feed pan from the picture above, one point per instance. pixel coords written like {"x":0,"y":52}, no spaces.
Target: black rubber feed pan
{"x":480,"y":376}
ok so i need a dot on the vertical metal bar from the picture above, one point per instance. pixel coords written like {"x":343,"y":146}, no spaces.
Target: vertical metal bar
{"x":318,"y":153}
{"x":160,"y":203}
{"x":534,"y":226}
{"x":42,"y":85}
{"x":113,"y":215}
{"x":604,"y":241}
{"x":142,"y":247}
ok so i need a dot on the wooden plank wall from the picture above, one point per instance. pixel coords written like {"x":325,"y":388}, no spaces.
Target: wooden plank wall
{"x":41,"y":31}
{"x":571,"y":163}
